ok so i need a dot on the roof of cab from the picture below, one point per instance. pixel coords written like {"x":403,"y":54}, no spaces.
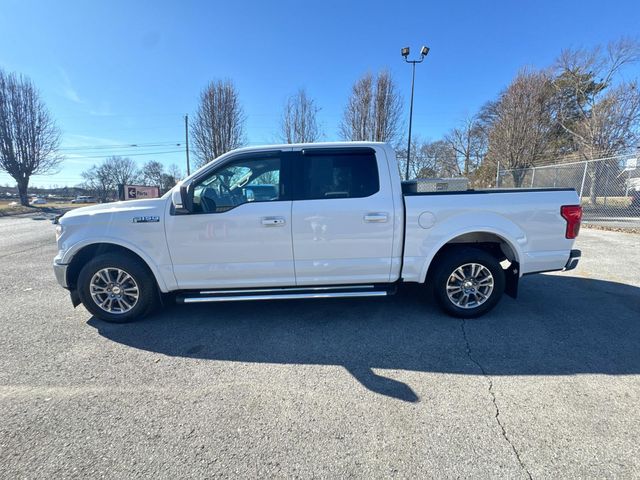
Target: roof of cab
{"x":288,"y":146}
{"x":299,"y":146}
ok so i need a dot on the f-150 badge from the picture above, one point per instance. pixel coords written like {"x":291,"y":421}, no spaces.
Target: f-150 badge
{"x":146,"y":219}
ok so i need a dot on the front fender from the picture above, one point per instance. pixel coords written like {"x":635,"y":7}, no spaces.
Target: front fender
{"x":163,"y":274}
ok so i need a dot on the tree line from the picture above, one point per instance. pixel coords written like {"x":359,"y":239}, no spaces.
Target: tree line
{"x":373,"y":112}
{"x":580,"y":106}
{"x":102,"y":180}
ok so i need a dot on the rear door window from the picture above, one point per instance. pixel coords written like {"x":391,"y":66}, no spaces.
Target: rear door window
{"x":336,"y":175}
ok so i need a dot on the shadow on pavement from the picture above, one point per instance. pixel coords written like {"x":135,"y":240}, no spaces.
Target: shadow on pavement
{"x":560,"y":325}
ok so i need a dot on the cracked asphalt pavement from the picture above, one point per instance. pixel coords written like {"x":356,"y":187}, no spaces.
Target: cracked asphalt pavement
{"x":545,"y":386}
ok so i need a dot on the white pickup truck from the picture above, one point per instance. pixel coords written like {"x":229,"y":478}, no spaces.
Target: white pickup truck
{"x":311,"y":221}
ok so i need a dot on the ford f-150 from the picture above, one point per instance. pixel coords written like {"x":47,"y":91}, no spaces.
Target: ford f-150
{"x":311,"y":221}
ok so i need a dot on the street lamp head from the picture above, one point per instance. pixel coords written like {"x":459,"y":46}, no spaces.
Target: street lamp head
{"x":405,"y":52}
{"x":424,"y":51}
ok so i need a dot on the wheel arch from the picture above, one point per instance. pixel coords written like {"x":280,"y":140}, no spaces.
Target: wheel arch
{"x":84,"y":253}
{"x":490,"y":240}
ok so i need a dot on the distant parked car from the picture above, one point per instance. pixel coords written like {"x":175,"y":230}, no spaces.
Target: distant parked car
{"x":84,"y":199}
{"x":38,"y":201}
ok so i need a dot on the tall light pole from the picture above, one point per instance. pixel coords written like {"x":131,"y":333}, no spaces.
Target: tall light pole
{"x":405,"y":53}
{"x":186,"y":142}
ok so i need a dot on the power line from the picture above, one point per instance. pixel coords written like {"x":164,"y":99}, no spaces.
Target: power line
{"x":129,"y":154}
{"x":120,"y":146}
{"x":121,"y":115}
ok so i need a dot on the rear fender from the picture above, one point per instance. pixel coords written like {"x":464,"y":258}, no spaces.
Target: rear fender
{"x":506,"y":230}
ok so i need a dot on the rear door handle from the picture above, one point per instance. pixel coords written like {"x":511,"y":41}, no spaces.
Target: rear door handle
{"x":273,"y":221}
{"x":376,"y":217}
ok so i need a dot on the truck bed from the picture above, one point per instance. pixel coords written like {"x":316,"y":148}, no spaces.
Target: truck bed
{"x":528,"y":220}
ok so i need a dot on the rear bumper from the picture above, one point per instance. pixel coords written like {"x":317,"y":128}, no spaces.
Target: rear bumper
{"x":574,"y":258}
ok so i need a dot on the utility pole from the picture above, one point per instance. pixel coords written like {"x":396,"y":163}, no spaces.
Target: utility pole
{"x":424,"y":51}
{"x":186,"y":141}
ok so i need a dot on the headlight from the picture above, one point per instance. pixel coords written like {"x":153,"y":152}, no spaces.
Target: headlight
{"x":59,"y":230}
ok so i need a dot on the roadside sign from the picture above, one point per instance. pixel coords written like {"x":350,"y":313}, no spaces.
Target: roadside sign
{"x":134,"y":192}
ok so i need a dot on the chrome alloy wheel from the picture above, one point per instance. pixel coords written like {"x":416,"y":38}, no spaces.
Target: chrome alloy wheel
{"x":114,"y":290}
{"x":470,"y":285}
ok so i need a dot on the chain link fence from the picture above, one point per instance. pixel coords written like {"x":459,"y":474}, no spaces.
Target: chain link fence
{"x":609,"y":188}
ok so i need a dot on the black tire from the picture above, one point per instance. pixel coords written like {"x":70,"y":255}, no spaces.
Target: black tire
{"x":144,"y":280}
{"x":448,"y":263}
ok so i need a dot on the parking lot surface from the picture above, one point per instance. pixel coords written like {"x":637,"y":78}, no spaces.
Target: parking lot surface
{"x":546,"y":386}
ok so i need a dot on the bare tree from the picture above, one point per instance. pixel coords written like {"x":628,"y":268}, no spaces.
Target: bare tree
{"x":121,"y":170}
{"x":152,"y":173}
{"x":170,"y":178}
{"x":356,"y":122}
{"x":373,"y":111}
{"x":422,"y":164}
{"x":98,"y":182}
{"x":601,"y":115}
{"x":219,"y":123}
{"x":520,"y":123}
{"x":469,"y":141}
{"x":430,"y":159}
{"x":175,"y":172}
{"x":29,"y":138}
{"x":387,"y":111}
{"x":444,"y":158}
{"x":103,"y":180}
{"x":299,"y":124}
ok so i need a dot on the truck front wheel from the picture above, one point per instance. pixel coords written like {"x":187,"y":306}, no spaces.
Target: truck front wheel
{"x":468,"y":282}
{"x":116,"y":288}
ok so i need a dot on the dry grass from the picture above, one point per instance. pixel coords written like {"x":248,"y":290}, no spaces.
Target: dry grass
{"x":6,"y":209}
{"x":610,"y":202}
{"x":607,"y":228}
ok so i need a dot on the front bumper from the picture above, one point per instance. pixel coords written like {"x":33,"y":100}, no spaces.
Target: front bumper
{"x":60,"y":270}
{"x":574,"y":258}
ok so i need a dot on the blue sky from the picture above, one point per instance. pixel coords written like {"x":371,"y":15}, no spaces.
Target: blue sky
{"x":117,"y":73}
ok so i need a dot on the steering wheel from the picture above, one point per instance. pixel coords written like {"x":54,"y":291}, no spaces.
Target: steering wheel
{"x":232,"y":196}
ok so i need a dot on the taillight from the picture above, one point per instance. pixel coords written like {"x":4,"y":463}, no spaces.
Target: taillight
{"x":573,"y":215}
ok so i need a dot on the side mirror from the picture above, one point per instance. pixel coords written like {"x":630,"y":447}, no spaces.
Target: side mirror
{"x":186,"y":197}
{"x":176,"y":198}
{"x":181,"y":198}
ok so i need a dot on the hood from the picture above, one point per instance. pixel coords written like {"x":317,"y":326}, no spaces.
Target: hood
{"x":106,"y":211}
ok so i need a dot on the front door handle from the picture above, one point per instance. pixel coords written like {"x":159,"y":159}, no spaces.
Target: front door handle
{"x":273,"y":221}
{"x":376,"y":217}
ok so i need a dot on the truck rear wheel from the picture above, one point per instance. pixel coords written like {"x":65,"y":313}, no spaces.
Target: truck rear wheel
{"x":116,"y":288}
{"x":468,"y":282}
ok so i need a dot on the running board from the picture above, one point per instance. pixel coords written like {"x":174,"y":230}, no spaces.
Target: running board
{"x":293,"y":293}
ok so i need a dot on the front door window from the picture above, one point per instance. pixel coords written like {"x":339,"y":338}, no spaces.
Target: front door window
{"x":237,"y":183}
